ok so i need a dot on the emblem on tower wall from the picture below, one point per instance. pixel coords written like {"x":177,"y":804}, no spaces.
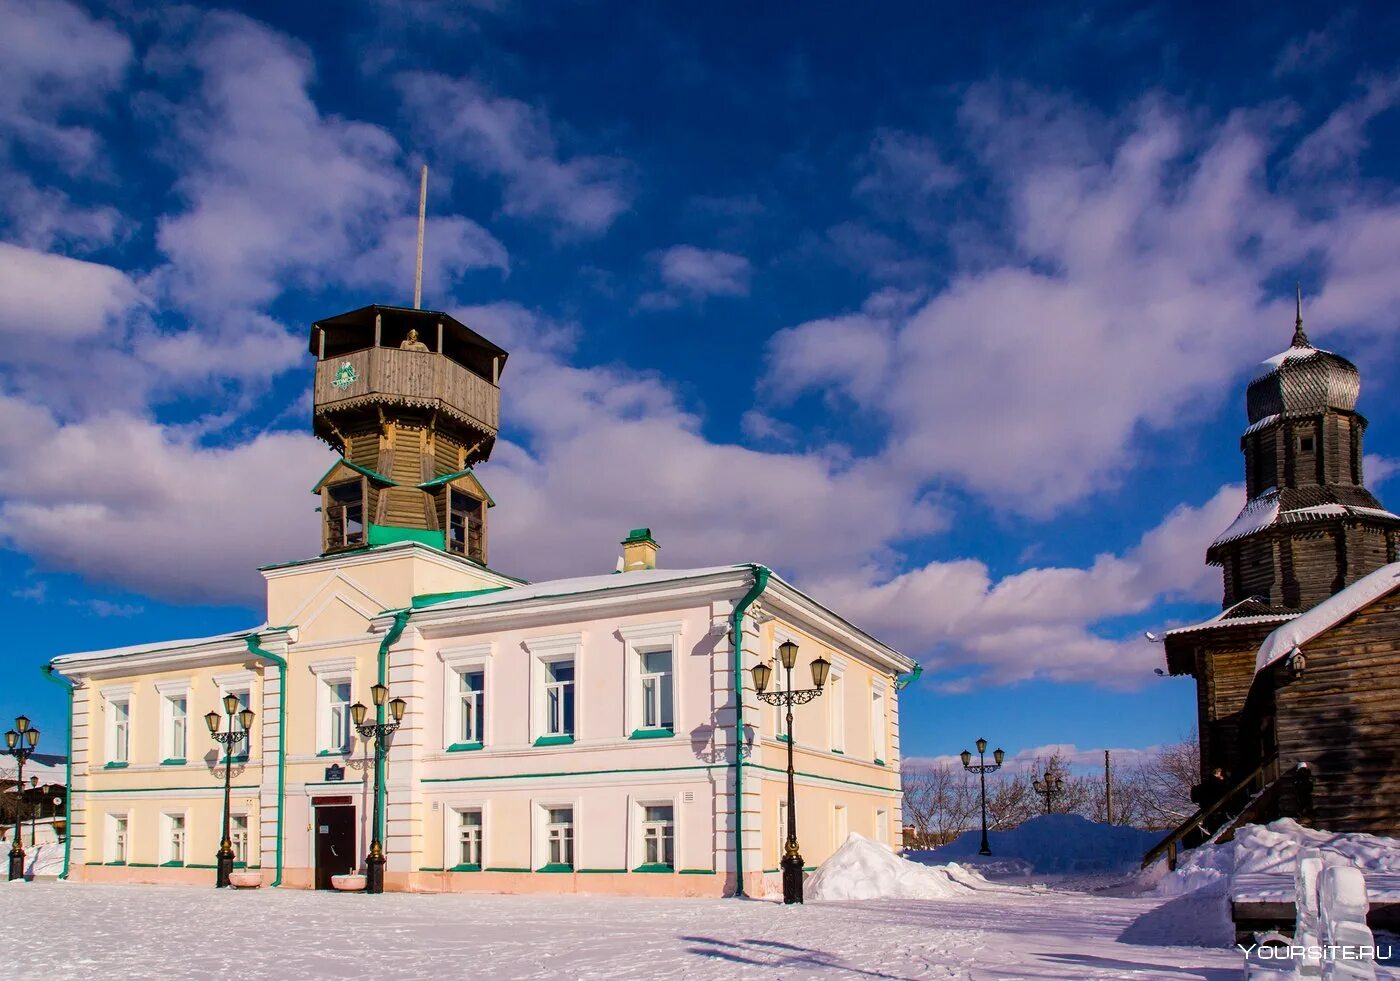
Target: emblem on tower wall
{"x":345,"y":376}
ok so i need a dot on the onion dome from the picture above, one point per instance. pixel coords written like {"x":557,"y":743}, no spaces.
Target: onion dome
{"x":1303,"y":380}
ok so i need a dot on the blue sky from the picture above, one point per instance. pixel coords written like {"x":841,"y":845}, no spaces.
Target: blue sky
{"x":945,"y":314}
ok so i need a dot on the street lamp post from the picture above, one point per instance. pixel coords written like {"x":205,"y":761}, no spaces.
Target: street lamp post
{"x":378,"y":732}
{"x":229,"y":739}
{"x":34,"y":811}
{"x":19,"y":743}
{"x":762,"y":673}
{"x":1049,"y":787}
{"x":982,"y":769}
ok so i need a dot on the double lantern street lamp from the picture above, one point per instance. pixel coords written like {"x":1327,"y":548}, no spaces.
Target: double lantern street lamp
{"x":19,"y":743}
{"x":982,"y":769}
{"x":1048,"y":787}
{"x":378,"y":732}
{"x":228,"y":740}
{"x":762,"y":674}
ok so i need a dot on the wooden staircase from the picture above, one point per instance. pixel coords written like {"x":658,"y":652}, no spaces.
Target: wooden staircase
{"x":1263,"y":785}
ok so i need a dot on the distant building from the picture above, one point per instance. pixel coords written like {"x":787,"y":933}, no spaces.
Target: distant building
{"x":1298,"y":678}
{"x":586,"y":734}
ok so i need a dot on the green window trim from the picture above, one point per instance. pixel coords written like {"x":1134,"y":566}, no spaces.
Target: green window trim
{"x":434,"y":868}
{"x":464,"y":868}
{"x":655,"y":867}
{"x":137,"y":865}
{"x":107,"y":863}
{"x":117,"y":765}
{"x":654,"y":733}
{"x":602,"y":871}
{"x":465,"y":747}
{"x":555,"y":867}
{"x":172,"y":865}
{"x":839,"y":752}
{"x":333,"y":752}
{"x":783,"y":737}
{"x":697,"y":872}
{"x":172,"y":762}
{"x":879,"y":762}
{"x":505,"y":869}
{"x":565,"y":739}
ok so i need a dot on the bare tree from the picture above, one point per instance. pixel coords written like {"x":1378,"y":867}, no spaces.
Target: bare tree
{"x":1164,"y":783}
{"x":938,"y":802}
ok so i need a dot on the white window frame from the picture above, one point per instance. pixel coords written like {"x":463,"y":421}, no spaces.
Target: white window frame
{"x":240,"y":853}
{"x":167,"y":837}
{"x":840,"y":825}
{"x":649,"y":638}
{"x":453,"y":844}
{"x":337,"y":671}
{"x":879,"y":720}
{"x":241,"y":685}
{"x":836,"y":706}
{"x":109,"y":848}
{"x":540,"y":838}
{"x":778,"y":713}
{"x":638,"y":849}
{"x":882,"y":825}
{"x":123,"y":695}
{"x":782,"y":827}
{"x":169,"y":691}
{"x":549,"y":650}
{"x":456,"y":662}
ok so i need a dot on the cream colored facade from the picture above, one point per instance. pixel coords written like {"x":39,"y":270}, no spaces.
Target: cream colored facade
{"x":491,"y":779}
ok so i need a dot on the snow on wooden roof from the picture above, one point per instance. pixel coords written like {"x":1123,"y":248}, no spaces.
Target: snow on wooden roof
{"x":1259,"y":513}
{"x":1327,"y":614}
{"x":1240,"y":614}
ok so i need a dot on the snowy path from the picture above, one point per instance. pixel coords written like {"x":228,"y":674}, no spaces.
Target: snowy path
{"x":163,"y":932}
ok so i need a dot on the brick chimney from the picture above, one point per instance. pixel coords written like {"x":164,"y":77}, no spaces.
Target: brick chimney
{"x":639,"y":550}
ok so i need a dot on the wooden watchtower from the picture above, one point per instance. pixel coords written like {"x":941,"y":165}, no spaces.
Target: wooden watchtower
{"x":410,"y":400}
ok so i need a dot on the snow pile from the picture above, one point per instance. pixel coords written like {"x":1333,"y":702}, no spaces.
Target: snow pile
{"x":864,"y":869}
{"x":45,"y":859}
{"x":1273,"y":849}
{"x":1056,"y":843}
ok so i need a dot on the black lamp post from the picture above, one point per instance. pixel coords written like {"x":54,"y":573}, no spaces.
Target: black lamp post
{"x":378,"y":732}
{"x":34,"y":811}
{"x":1049,"y":787}
{"x":224,"y":861}
{"x":982,"y":769}
{"x":19,"y":743}
{"x":762,"y":673}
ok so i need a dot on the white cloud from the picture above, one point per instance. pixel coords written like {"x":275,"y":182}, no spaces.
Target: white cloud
{"x":688,"y":273}
{"x":56,"y":300}
{"x":902,"y":168}
{"x":515,"y":142}
{"x":1340,"y":140}
{"x":1087,"y":759}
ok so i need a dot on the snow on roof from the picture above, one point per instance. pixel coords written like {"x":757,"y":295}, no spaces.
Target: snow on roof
{"x":1327,"y":614}
{"x":1259,"y":513}
{"x":164,"y":645}
{"x":1266,"y":421}
{"x":1268,"y":366}
{"x":583,"y":584}
{"x":1225,"y":619}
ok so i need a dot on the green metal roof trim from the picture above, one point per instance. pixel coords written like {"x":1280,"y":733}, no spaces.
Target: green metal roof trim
{"x":372,"y":475}
{"x":447,"y":477}
{"x":638,"y":535}
{"x":430,"y":599}
{"x":389,"y":534}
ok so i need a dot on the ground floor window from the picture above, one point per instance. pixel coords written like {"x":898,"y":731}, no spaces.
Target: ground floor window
{"x":469,"y":838}
{"x":116,"y":849}
{"x":238,"y":835}
{"x":659,"y":835}
{"x":559,"y":837}
{"x":174,"y":839}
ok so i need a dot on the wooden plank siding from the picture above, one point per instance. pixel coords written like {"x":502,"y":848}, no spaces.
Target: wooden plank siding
{"x":1229,"y":675}
{"x":1342,"y":717}
{"x":410,"y":377}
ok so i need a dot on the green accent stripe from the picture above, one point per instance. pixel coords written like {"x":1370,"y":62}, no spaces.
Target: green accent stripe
{"x":652,"y":734}
{"x":252,"y":641}
{"x":507,"y":869}
{"x":389,"y":534}
{"x":818,"y":776}
{"x":760,"y":583}
{"x":577,"y":773}
{"x":603,"y":871}
{"x":430,"y":599}
{"x":698,"y":872}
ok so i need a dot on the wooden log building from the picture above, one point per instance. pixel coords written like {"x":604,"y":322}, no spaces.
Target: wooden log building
{"x":1298,"y":678}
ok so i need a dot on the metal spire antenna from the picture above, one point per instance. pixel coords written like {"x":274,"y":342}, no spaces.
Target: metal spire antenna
{"x":1300,"y":338}
{"x":418,"y":265}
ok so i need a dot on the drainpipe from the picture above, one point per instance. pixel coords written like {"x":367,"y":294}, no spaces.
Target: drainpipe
{"x":252,"y":641}
{"x":68,"y":786}
{"x":381,"y":778}
{"x":760,"y":582}
{"x":904,"y":682}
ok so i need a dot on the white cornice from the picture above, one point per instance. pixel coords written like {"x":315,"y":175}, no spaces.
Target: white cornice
{"x":558,"y":644}
{"x":840,"y":634}
{"x":462,"y":655}
{"x":382,"y":552}
{"x":332,"y":666}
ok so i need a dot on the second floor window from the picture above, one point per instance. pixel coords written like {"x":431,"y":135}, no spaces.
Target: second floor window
{"x":121,"y":732}
{"x":469,"y":838}
{"x":337,"y":735}
{"x":657,"y":702}
{"x":471,"y":707}
{"x":559,"y":698}
{"x":177,"y":711}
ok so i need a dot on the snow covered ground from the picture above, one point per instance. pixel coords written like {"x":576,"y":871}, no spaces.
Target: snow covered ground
{"x":1007,"y":932}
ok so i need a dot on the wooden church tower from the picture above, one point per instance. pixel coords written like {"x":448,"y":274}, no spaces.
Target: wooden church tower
{"x":409,"y":399}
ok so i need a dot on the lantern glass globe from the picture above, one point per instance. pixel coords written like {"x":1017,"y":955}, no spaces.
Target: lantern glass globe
{"x":396,"y":709}
{"x":966,"y":756}
{"x":230,"y":703}
{"x":821,"y":667}
{"x":211,"y":719}
{"x":357,"y":713}
{"x":787,"y":653}
{"x":245,"y":718}
{"x":762,"y":673}
{"x":379,"y":693}
{"x":981,"y":745}
{"x":999,"y":755}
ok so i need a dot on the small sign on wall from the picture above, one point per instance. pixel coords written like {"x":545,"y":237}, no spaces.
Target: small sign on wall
{"x":335,"y":772}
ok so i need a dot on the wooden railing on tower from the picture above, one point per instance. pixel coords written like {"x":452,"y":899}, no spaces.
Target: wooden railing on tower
{"x":411,"y":377}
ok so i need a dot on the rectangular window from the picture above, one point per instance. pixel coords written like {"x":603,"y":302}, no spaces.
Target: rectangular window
{"x":345,"y":514}
{"x":836,"y":700}
{"x":878,"y":724}
{"x":121,"y":732}
{"x":657,"y":699}
{"x":840,"y":826}
{"x":336,"y":738}
{"x":469,"y":838}
{"x":116,"y":850}
{"x":782,"y":827}
{"x":176,"y":719}
{"x":559,"y":698}
{"x":882,"y":826}
{"x":471,"y":707}
{"x":238,"y":835}
{"x":659,"y":835}
{"x":243,"y":747}
{"x":464,"y":525}
{"x":559,"y":836}
{"x":175,"y":839}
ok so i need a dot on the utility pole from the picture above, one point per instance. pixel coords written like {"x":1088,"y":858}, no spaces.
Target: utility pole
{"x":1108,"y":786}
{"x":418,"y":264}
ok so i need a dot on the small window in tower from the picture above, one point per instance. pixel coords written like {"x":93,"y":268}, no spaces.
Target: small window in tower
{"x":345,"y":514}
{"x":1305,"y":444}
{"x":464,"y":525}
